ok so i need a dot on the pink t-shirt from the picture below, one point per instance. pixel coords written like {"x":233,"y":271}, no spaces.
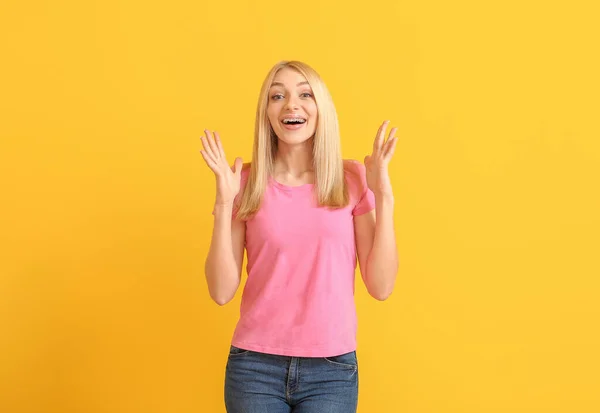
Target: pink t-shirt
{"x":299,"y":296}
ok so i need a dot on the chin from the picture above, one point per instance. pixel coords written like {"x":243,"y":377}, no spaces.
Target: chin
{"x":295,"y":136}
{"x":291,"y":139}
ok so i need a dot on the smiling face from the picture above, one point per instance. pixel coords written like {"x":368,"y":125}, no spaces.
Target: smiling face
{"x":292,"y":109}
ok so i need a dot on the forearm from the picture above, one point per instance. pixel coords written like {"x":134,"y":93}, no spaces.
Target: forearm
{"x":220,"y":267}
{"x":382,"y":262}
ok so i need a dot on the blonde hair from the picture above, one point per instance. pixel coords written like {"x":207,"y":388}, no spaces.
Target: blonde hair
{"x":330,"y":186}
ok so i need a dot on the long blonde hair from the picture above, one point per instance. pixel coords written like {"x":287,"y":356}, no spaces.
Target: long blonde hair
{"x":330,"y":186}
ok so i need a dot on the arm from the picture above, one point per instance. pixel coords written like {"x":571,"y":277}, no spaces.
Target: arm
{"x":376,"y":247}
{"x":374,"y":232}
{"x":223,"y":266}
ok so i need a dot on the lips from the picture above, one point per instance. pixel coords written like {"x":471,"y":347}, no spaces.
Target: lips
{"x":294,"y":123}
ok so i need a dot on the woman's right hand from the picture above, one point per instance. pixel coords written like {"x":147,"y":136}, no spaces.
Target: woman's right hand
{"x":228,"y":178}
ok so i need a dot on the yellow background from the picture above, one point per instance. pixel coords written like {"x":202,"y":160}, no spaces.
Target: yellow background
{"x":105,"y":200}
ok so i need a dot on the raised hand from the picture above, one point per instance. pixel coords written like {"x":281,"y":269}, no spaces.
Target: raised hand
{"x":228,"y":178}
{"x":376,"y":164}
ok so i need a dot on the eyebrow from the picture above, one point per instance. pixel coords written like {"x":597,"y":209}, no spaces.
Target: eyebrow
{"x":281,"y":84}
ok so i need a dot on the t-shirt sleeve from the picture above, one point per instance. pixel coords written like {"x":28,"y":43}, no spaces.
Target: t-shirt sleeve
{"x":366,"y":199}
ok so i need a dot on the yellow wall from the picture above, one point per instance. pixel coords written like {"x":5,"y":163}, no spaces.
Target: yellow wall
{"x":106,"y":200}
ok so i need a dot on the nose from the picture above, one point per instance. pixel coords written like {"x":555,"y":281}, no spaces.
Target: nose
{"x":291,"y":103}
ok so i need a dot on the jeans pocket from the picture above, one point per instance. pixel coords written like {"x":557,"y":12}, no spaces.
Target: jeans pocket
{"x":347,"y":360}
{"x":236,"y":351}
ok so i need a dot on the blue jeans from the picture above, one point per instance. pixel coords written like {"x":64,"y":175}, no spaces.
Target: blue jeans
{"x":265,"y":383}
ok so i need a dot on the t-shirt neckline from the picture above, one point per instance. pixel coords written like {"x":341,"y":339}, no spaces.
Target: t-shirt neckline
{"x":285,"y":187}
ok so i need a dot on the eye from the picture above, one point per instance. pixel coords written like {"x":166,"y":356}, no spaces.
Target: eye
{"x":278,"y":95}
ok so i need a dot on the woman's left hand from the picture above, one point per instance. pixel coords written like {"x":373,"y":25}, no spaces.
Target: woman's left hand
{"x":376,"y":164}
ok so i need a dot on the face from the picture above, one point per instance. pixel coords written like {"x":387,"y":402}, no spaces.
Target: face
{"x":292,"y":109}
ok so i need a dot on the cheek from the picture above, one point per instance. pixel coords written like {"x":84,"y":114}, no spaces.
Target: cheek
{"x":272,"y":114}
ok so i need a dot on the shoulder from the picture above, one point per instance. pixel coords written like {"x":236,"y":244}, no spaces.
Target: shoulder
{"x":245,"y":171}
{"x":355,"y":175}
{"x":358,"y":188}
{"x":243,"y":179}
{"x":353,"y":165}
{"x":354,"y":172}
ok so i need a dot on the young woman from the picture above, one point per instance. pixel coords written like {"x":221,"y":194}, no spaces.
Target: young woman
{"x":303,"y":214}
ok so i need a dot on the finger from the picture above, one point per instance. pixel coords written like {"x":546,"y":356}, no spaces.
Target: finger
{"x":213,"y":145}
{"x":237,"y":166}
{"x":211,"y":164}
{"x":390,"y":150}
{"x":379,"y":138}
{"x":207,"y":149}
{"x":392,"y":134}
{"x":205,"y":145}
{"x":388,"y":142}
{"x":204,"y":139}
{"x":375,"y":140}
{"x":219,"y":145}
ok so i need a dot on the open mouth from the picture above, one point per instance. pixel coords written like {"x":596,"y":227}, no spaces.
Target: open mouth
{"x":293,"y":121}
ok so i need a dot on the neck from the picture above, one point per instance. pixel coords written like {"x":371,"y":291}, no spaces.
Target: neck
{"x":294,"y":160}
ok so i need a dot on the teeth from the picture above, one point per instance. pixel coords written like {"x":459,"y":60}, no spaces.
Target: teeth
{"x":294,"y":120}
